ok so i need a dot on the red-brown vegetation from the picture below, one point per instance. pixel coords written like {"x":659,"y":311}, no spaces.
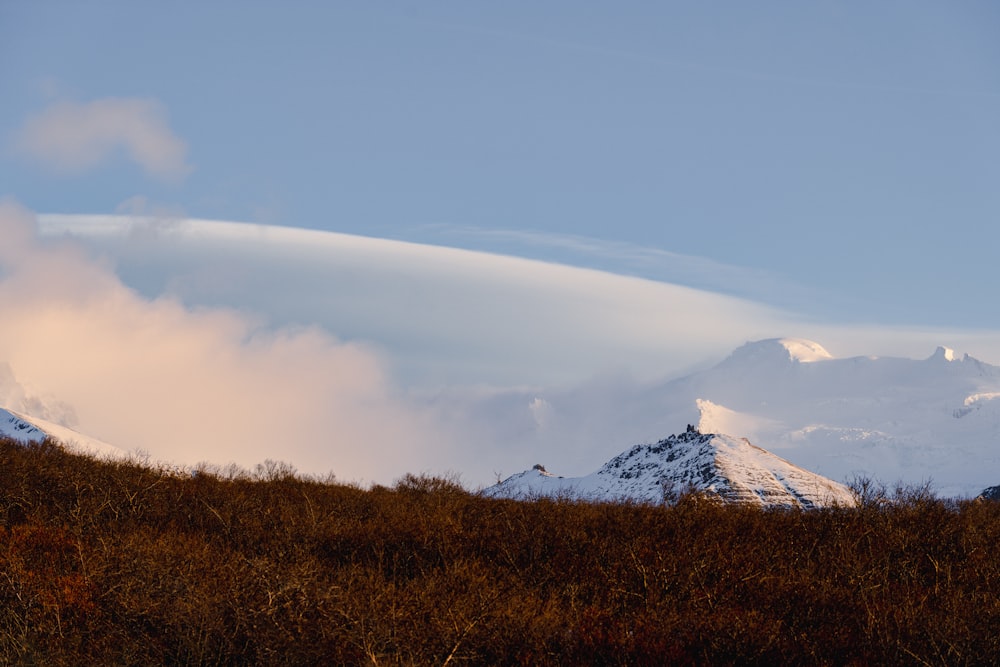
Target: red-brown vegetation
{"x":124,"y":563}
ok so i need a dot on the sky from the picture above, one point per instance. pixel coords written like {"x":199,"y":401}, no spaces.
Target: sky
{"x":442,"y":202}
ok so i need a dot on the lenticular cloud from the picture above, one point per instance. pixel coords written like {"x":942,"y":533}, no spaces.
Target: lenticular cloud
{"x":444,"y":316}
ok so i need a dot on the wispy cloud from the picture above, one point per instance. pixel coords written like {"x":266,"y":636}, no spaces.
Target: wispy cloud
{"x":629,"y":258}
{"x":73,"y":136}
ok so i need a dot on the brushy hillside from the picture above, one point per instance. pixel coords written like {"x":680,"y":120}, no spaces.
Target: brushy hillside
{"x":122,"y":563}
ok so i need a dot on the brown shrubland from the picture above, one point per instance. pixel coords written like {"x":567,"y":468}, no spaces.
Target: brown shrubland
{"x":124,"y":563}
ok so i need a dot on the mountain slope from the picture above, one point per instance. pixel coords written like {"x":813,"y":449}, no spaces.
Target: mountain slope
{"x":729,"y":468}
{"x":27,"y":429}
{"x":14,"y":426}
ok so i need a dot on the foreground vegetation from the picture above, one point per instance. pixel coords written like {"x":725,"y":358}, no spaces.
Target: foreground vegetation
{"x":122,"y":563}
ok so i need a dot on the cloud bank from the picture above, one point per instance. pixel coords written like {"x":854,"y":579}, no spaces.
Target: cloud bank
{"x":191,"y":385}
{"x":74,"y":137}
{"x":200,"y":340}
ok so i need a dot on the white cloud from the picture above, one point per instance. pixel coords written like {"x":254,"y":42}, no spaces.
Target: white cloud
{"x":73,"y":136}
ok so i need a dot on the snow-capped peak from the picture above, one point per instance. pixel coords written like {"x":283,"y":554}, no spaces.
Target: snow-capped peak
{"x":788,"y":350}
{"x":722,"y":466}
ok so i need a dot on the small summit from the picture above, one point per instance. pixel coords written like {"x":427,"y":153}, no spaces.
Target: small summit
{"x":779,"y":351}
{"x":722,"y":467}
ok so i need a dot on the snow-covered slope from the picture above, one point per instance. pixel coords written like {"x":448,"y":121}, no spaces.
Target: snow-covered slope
{"x":14,"y":426}
{"x":27,"y":429}
{"x":730,"y":468}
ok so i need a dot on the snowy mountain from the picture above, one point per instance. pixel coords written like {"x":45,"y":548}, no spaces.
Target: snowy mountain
{"x":729,"y":468}
{"x":893,"y":419}
{"x":935,"y":419}
{"x":27,"y":429}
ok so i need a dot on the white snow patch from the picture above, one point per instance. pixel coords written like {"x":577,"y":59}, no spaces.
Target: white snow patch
{"x":944,"y":353}
{"x":804,"y":351}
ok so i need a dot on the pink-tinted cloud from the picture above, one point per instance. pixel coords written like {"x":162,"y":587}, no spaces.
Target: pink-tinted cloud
{"x":195,"y":385}
{"x":71,"y":136}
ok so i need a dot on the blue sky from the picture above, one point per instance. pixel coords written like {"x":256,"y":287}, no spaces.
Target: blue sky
{"x":845,"y":149}
{"x":834,"y":166}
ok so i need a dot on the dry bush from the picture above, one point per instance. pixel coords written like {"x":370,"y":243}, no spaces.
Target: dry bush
{"x":118,"y":562}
